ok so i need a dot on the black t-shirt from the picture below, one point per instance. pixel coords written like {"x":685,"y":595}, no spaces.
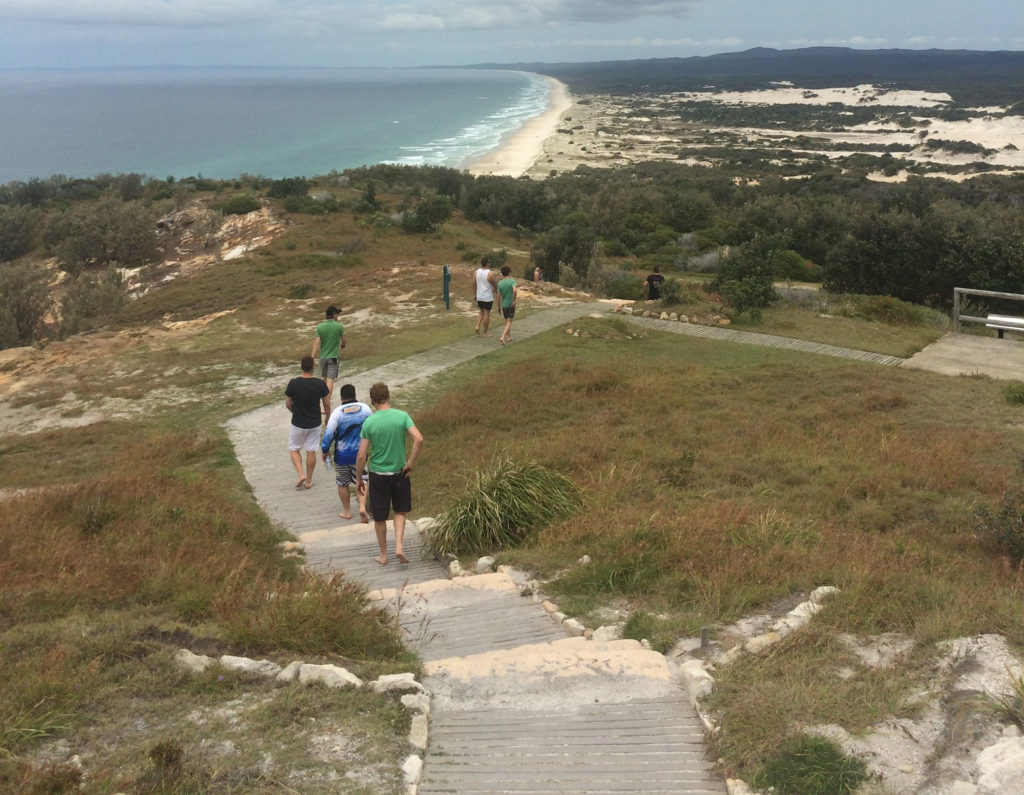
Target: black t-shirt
{"x":654,"y":285}
{"x":306,"y":394}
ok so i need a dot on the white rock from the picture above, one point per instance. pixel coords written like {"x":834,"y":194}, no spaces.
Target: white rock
{"x":412,"y":767}
{"x":684,"y":319}
{"x":290,"y":672}
{"x":821,"y":593}
{"x":549,"y":607}
{"x":673,"y":316}
{"x":196,"y":663}
{"x":455,"y":569}
{"x":698,"y":682}
{"x":418,"y":733}
{"x":417,"y":701}
{"x":583,"y":561}
{"x":1013,"y":730}
{"x":255,"y":667}
{"x":962,"y":788}
{"x":1000,"y":766}
{"x":396,"y":683}
{"x":663,"y":316}
{"x":574,"y":627}
{"x":627,"y":310}
{"x":485,"y":565}
{"x":602,"y":634}
{"x":729,"y":657}
{"x":329,"y":675}
{"x":425,"y":523}
{"x":559,"y":617}
{"x":736,"y":786}
{"x":761,"y":642}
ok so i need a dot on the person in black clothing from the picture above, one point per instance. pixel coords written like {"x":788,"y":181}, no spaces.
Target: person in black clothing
{"x":303,"y":397}
{"x":653,"y":285}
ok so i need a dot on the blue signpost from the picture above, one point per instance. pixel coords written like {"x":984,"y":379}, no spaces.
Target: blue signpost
{"x":447,"y":282}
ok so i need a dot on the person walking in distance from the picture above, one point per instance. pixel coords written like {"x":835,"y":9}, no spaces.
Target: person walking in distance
{"x":509,"y":292}
{"x":329,"y":340}
{"x":382,"y":448}
{"x":343,"y":432}
{"x":303,"y":397}
{"x":653,"y":284}
{"x":485,"y":283}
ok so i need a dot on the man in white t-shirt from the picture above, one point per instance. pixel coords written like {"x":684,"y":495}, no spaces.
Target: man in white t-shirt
{"x":485,"y":282}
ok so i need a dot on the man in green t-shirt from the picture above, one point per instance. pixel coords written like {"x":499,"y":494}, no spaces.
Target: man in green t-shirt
{"x":509,"y":292}
{"x":382,"y":444}
{"x":330,"y":339}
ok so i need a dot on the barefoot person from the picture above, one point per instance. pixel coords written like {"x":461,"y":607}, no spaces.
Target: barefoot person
{"x":383,"y":445}
{"x":509,"y":293}
{"x":343,"y":432}
{"x":485,"y":283}
{"x":303,"y":397}
{"x":330,"y":339}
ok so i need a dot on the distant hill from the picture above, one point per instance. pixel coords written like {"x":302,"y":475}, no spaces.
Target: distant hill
{"x":970,"y":77}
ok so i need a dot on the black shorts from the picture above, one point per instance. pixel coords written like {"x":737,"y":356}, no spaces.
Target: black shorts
{"x":488,"y":305}
{"x":508,"y":312}
{"x":387,"y":492}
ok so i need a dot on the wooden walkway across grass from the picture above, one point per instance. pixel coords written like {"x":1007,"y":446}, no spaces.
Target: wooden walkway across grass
{"x":765,"y":340}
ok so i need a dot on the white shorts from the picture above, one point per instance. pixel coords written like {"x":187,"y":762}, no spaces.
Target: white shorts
{"x":307,"y":439}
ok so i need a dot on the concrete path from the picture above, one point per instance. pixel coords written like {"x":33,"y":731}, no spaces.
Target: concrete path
{"x":516,"y":704}
{"x":971,"y":354}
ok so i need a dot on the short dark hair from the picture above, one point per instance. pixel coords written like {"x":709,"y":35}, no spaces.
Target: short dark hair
{"x":347,"y":392}
{"x":485,"y":261}
{"x":332,"y":310}
{"x":306,"y":364}
{"x":505,"y":270}
{"x":379,"y":393}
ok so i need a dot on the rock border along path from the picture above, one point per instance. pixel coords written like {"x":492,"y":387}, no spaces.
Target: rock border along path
{"x":516,"y":704}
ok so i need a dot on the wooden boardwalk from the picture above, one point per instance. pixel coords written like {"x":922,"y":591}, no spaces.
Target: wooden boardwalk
{"x":517,"y":706}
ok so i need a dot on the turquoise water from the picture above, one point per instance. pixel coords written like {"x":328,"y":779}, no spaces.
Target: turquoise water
{"x":222,"y":123}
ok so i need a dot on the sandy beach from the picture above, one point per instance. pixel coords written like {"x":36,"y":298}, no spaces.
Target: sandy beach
{"x":518,"y":152}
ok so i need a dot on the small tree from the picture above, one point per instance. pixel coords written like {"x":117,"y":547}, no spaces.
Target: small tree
{"x":428,"y":215}
{"x":18,"y":226}
{"x":24,"y":300}
{"x":746,"y":276}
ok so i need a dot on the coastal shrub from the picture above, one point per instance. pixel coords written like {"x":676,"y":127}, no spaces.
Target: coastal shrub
{"x":26,"y":299}
{"x":811,"y":765}
{"x":503,"y":507}
{"x":18,"y":227}
{"x":746,"y":277}
{"x":100,"y":233}
{"x":290,"y":186}
{"x":90,"y":301}
{"x":627,"y":286}
{"x":1014,"y":392}
{"x":1004,"y":525}
{"x":428,"y":215}
{"x":240,"y":205}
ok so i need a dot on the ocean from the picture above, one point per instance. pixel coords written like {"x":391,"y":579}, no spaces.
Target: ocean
{"x":224,"y":122}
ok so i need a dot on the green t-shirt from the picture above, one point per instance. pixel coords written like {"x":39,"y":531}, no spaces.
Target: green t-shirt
{"x":386,"y":431}
{"x":330,"y":333}
{"x":507,"y":291}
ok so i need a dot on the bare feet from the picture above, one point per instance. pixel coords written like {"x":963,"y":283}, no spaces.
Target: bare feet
{"x":307,"y":484}
{"x":381,"y":559}
{"x":401,"y":558}
{"x":301,"y":484}
{"x":364,"y":517}
{"x":345,"y":515}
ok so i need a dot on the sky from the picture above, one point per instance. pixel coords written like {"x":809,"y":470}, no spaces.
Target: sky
{"x":352,"y":33}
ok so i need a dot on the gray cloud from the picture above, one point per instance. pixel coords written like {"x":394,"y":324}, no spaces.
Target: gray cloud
{"x":504,"y":14}
{"x":159,"y":13}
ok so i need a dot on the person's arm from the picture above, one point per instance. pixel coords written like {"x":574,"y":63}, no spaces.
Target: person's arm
{"x":417,"y":443}
{"x":288,"y":403}
{"x":515,"y":295}
{"x":341,"y":342}
{"x":328,"y":438}
{"x":316,"y":347}
{"x":364,"y":446}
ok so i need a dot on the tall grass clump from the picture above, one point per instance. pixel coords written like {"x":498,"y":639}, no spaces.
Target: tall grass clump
{"x":811,"y":766}
{"x":1005,"y":525}
{"x":503,"y":507}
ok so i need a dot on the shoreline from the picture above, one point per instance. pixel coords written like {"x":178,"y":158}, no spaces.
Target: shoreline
{"x":519,"y":150}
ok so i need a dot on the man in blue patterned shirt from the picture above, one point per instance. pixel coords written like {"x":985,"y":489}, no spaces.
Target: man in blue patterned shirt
{"x":343,"y":428}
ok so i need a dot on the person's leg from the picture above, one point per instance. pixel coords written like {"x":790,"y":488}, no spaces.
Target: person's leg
{"x":487,"y":321}
{"x":345,"y":495}
{"x":361,"y":499}
{"x":479,"y":319}
{"x":381,"y":529}
{"x":378,"y":490}
{"x":310,"y":466}
{"x":330,"y":395}
{"x":399,"y":537}
{"x":506,"y":335}
{"x":297,"y":463}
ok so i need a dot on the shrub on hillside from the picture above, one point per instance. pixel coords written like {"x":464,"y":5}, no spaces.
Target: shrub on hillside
{"x":90,"y":301}
{"x":811,"y":765}
{"x":746,"y":277}
{"x":1004,"y":526}
{"x":240,"y":205}
{"x":26,"y":299}
{"x":101,"y":233}
{"x":503,"y":508}
{"x":1014,"y":392}
{"x":18,"y":226}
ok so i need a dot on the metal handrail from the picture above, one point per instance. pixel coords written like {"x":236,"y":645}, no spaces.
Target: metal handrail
{"x":958,"y":291}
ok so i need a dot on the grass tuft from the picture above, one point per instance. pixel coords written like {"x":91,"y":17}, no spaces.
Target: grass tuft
{"x":811,"y":765}
{"x":503,"y":508}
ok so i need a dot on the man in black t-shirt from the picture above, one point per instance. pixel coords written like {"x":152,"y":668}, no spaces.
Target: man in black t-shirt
{"x":303,"y":397}
{"x":653,"y":285}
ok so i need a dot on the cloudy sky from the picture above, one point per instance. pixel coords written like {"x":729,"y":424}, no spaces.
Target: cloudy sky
{"x":90,"y":33}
